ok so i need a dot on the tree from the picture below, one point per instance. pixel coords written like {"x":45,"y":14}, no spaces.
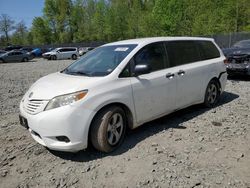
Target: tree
{"x":40,"y":31}
{"x":57,"y":13}
{"x":20,"y":34}
{"x":6,"y":25}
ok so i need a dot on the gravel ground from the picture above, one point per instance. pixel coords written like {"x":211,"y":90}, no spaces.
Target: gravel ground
{"x":194,"y":147}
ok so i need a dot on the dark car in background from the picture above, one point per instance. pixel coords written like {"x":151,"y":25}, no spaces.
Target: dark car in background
{"x":2,"y":52}
{"x":26,"y":49}
{"x":13,"y":47}
{"x":14,"y":56}
{"x":238,"y":57}
{"x":37,"y":52}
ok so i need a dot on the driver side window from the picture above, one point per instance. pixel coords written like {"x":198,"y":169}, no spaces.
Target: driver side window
{"x":153,"y":55}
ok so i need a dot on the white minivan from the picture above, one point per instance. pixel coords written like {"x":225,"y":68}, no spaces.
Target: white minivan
{"x":121,"y":85}
{"x":61,"y":53}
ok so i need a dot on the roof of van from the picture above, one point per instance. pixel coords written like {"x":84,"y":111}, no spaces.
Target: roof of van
{"x":155,"y":39}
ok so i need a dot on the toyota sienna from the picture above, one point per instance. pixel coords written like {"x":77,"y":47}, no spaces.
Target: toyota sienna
{"x":121,"y":85}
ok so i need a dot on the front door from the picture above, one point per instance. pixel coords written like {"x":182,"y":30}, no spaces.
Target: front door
{"x":153,"y":93}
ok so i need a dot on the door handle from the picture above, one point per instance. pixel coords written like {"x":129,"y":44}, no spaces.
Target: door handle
{"x":181,"y":72}
{"x":169,"y":75}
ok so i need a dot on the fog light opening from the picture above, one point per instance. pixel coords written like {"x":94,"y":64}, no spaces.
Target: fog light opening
{"x":63,"y":139}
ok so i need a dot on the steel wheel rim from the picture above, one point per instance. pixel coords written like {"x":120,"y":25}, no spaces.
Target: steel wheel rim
{"x":212,"y":93}
{"x":115,"y":129}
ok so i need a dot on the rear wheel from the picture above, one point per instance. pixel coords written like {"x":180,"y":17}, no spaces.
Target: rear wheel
{"x":74,"y":57}
{"x":108,"y":129}
{"x":212,"y":94}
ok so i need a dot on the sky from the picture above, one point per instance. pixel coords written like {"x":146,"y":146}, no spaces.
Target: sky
{"x":20,"y":10}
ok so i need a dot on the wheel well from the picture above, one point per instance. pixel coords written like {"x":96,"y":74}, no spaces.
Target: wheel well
{"x":218,"y":81}
{"x":128,"y":113}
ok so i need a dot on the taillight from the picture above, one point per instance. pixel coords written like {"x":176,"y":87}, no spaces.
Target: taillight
{"x":226,"y":62}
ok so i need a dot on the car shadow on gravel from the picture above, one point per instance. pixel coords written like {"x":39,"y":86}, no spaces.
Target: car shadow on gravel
{"x":20,"y":62}
{"x":239,"y":78}
{"x":174,"y":120}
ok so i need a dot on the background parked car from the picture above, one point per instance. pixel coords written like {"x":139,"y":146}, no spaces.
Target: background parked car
{"x":62,"y":53}
{"x":84,"y":50}
{"x":14,"y":56}
{"x":2,"y":52}
{"x":27,"y":49}
{"x":238,"y":58}
{"x":13,"y":47}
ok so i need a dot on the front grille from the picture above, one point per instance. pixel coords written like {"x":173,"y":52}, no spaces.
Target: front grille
{"x":34,"y":106}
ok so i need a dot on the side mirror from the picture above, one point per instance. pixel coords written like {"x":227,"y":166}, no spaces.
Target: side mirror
{"x":141,"y":69}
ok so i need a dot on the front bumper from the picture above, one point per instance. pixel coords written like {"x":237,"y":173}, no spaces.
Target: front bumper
{"x":71,"y":121}
{"x":46,"y":56}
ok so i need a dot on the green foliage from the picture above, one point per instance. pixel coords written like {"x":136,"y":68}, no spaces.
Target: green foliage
{"x":40,"y":31}
{"x":20,"y":35}
{"x":110,"y":20}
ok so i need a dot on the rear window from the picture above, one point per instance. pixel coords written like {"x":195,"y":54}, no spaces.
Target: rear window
{"x":182,"y":52}
{"x":208,"y":50}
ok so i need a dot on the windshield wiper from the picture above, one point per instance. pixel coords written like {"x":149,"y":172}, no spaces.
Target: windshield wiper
{"x":76,"y":72}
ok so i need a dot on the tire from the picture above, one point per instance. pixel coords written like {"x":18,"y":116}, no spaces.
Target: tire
{"x":212,"y":94}
{"x":74,"y":57}
{"x":53,"y":57}
{"x":108,"y":129}
{"x":1,"y":61}
{"x":33,"y":56}
{"x":25,"y":59}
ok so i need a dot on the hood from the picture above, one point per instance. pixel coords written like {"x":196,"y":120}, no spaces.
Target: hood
{"x":2,"y":55}
{"x":57,"y":84}
{"x":49,"y":53}
{"x":235,"y":51}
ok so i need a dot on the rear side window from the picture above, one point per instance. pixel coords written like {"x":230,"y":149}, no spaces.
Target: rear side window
{"x":71,"y":49}
{"x":208,"y":50}
{"x":153,"y":55}
{"x":182,"y":52}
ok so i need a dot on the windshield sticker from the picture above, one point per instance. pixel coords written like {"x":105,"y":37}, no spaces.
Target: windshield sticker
{"x":121,"y":49}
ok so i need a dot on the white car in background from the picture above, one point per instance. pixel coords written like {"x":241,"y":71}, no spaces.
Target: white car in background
{"x":122,"y":85}
{"x":84,"y":50}
{"x":62,"y":53}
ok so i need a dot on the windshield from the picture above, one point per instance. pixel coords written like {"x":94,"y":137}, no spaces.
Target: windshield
{"x":101,"y":61}
{"x":54,"y":50}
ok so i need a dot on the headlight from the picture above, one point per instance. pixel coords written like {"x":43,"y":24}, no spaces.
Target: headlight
{"x":65,"y":99}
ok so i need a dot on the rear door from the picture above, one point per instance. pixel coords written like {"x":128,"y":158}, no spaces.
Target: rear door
{"x":153,"y":93}
{"x":190,"y":73}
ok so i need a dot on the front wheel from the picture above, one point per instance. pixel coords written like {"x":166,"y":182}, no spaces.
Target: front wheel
{"x":74,"y":57}
{"x":212,"y":94}
{"x":108,"y":129}
{"x":53,"y":57}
